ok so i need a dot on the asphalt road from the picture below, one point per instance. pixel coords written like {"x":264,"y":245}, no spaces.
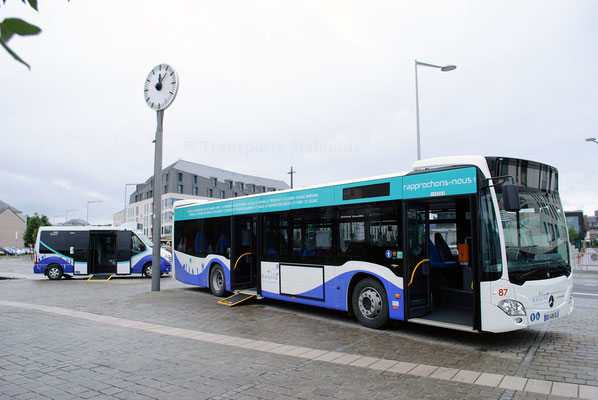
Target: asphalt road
{"x":78,"y":339}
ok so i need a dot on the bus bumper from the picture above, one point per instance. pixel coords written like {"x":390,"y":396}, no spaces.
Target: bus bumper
{"x":496,"y":320}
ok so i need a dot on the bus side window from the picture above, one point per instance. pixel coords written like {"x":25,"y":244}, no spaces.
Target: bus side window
{"x":137,"y":245}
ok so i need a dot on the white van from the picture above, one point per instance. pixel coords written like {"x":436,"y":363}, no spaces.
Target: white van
{"x":72,"y":250}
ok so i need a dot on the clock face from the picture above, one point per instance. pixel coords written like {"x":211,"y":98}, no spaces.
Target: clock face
{"x":160,"y":87}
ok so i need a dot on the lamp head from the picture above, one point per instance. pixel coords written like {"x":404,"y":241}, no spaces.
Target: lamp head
{"x":447,"y":68}
{"x":591,"y":139}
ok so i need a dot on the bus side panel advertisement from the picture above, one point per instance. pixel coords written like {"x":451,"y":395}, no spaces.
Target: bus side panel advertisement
{"x":334,"y":291}
{"x":442,"y":183}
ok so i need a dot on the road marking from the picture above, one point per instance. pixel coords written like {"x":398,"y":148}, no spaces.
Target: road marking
{"x":354,"y":360}
{"x":586,"y":294}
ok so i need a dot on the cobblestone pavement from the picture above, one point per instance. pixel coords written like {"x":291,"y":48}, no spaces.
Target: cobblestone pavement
{"x":116,"y":339}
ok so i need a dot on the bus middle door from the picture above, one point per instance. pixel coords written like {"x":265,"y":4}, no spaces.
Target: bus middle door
{"x":417,"y":276}
{"x":123,"y":252}
{"x":244,"y":255}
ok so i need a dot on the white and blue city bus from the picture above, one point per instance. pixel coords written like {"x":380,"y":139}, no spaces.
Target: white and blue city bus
{"x":470,"y":243}
{"x":88,"y":250}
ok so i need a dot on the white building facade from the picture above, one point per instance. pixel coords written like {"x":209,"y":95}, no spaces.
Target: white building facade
{"x":187,"y":180}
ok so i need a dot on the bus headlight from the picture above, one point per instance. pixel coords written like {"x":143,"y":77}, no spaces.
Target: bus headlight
{"x":511,"y":307}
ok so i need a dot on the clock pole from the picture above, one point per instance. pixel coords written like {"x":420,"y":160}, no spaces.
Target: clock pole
{"x":157,"y":195}
{"x":159,"y":91}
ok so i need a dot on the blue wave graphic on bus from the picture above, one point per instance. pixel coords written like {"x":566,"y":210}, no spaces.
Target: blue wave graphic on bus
{"x":198,"y":275}
{"x":42,"y":263}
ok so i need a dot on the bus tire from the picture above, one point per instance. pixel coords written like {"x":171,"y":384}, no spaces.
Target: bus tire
{"x":370,"y":303}
{"x":54,"y":272}
{"x":147,"y":270}
{"x":217,"y":281}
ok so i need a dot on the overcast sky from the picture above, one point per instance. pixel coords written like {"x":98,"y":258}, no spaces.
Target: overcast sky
{"x":325,"y":86}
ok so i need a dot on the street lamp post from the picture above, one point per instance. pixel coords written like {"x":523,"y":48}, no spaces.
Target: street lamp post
{"x":292,"y":172}
{"x":446,"y":68}
{"x":125,"y":209}
{"x":89,"y":202}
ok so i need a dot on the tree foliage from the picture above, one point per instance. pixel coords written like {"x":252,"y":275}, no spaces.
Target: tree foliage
{"x":16,"y":26}
{"x":573,"y":235}
{"x":33,"y":224}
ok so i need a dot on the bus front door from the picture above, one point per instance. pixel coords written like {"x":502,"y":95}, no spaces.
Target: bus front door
{"x":123,"y":252}
{"x":244,"y":253}
{"x":417,"y":274}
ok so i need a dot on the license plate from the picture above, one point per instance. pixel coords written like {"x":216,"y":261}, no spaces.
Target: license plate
{"x":552,"y":315}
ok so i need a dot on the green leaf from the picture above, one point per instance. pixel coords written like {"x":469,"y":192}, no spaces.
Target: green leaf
{"x":12,"y":53}
{"x":32,"y":3}
{"x":19,"y":27}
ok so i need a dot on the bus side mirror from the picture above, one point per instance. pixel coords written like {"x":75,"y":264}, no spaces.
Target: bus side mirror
{"x":510,"y":198}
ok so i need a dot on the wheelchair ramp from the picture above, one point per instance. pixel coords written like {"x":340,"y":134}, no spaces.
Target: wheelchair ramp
{"x":100,"y":277}
{"x":237,"y":298}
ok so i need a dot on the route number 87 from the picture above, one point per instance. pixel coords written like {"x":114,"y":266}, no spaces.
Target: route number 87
{"x":502,"y":292}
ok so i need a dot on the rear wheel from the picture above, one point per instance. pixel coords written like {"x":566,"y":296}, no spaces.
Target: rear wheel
{"x":54,"y":272}
{"x":217,"y":281}
{"x":370,"y":303}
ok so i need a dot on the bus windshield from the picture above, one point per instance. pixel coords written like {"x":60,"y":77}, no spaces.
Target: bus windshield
{"x":535,"y":237}
{"x":145,"y":239}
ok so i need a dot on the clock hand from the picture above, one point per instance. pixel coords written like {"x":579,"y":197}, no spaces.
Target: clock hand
{"x":159,"y":84}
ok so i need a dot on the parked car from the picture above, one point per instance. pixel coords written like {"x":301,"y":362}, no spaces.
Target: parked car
{"x":8,"y":251}
{"x":2,"y":253}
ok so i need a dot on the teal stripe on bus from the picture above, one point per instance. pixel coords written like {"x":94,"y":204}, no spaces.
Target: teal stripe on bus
{"x":55,"y":252}
{"x":442,"y":183}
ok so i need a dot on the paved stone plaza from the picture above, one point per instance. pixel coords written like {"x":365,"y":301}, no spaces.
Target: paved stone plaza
{"x":116,"y":339}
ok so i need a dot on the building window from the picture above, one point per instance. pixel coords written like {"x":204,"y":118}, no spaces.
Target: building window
{"x":166,"y":180}
{"x":241,"y":186}
{"x":195,"y":179}
{"x":180,"y":188}
{"x":235,"y":194}
{"x":252,"y":188}
{"x":214,"y":182}
{"x":264,"y":189}
{"x":180,"y":176}
{"x":230,"y":184}
{"x":168,"y":216}
{"x":222,"y":195}
{"x":165,"y":188}
{"x":210,"y":193}
{"x":195,"y":191}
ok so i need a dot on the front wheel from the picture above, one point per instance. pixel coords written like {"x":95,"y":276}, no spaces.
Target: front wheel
{"x":217,"y":281}
{"x":147,"y":270}
{"x":54,"y":272}
{"x":370,"y":303}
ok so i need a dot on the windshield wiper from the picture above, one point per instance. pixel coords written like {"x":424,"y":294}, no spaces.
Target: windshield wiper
{"x":522,"y":277}
{"x":563,"y":266}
